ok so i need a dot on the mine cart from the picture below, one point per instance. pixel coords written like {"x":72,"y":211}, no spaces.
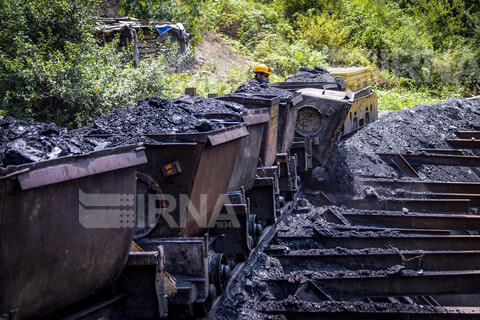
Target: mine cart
{"x":66,"y":228}
{"x":287,"y":117}
{"x":188,"y":177}
{"x":268,"y":149}
{"x":245,"y":168}
{"x":193,"y":172}
{"x":321,"y":119}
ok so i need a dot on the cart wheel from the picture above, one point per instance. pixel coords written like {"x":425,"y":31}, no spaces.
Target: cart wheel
{"x":145,"y":219}
{"x":201,"y":309}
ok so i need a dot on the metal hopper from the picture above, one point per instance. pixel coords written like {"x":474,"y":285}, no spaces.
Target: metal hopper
{"x":268,"y":148}
{"x":65,"y":228}
{"x":189,"y":176}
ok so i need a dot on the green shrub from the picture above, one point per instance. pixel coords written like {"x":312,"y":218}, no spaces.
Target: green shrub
{"x":259,"y":31}
{"x":46,"y":50}
{"x":52,"y":68}
{"x":400,"y":98}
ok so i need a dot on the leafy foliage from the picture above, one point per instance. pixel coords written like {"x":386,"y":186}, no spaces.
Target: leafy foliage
{"x":52,"y":68}
{"x":259,"y":31}
{"x":423,"y":45}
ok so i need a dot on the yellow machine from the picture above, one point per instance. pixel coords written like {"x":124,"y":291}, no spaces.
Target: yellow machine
{"x":364,"y":107}
{"x":364,"y":110}
{"x":356,"y":77}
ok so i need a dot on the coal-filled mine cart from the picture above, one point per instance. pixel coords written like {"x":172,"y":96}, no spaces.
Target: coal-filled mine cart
{"x":321,"y":119}
{"x":189,"y":174}
{"x":65,"y":228}
{"x":268,"y":148}
{"x":240,"y":239}
{"x":287,"y":118}
{"x":245,"y":168}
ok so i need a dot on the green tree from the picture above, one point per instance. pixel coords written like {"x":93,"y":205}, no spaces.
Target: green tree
{"x":44,"y":48}
{"x":53,"y":68}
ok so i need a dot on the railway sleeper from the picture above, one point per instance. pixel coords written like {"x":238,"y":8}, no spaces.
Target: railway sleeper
{"x":370,"y":311}
{"x":312,"y":260}
{"x":424,"y":222}
{"x":406,"y":283}
{"x":401,"y":242}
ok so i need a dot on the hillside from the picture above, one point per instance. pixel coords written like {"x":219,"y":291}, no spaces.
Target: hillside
{"x":53,"y":68}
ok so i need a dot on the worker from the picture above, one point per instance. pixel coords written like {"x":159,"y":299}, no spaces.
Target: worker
{"x":262,"y":72}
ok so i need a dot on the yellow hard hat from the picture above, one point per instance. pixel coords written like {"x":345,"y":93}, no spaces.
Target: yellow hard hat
{"x":262,"y":68}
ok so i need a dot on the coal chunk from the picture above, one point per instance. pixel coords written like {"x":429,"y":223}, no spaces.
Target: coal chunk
{"x":26,"y":142}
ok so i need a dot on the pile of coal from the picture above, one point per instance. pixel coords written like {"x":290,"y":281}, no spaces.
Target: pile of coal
{"x":317,"y":74}
{"x":25,"y":142}
{"x":200,"y":105}
{"x":406,"y":131}
{"x":151,"y":116}
{"x":264,"y":90}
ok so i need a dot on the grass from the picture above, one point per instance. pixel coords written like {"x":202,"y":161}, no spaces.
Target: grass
{"x":401,"y":98}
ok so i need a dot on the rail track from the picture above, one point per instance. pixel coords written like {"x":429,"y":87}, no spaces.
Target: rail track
{"x":411,"y":256}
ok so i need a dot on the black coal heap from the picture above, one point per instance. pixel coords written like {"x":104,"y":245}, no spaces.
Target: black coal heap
{"x":264,"y":90}
{"x":200,"y":105}
{"x":406,"y":131}
{"x":317,"y":74}
{"x":151,"y":116}
{"x":25,"y":142}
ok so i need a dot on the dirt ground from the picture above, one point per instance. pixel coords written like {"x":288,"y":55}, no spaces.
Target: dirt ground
{"x":110,"y":8}
{"x":215,"y":54}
